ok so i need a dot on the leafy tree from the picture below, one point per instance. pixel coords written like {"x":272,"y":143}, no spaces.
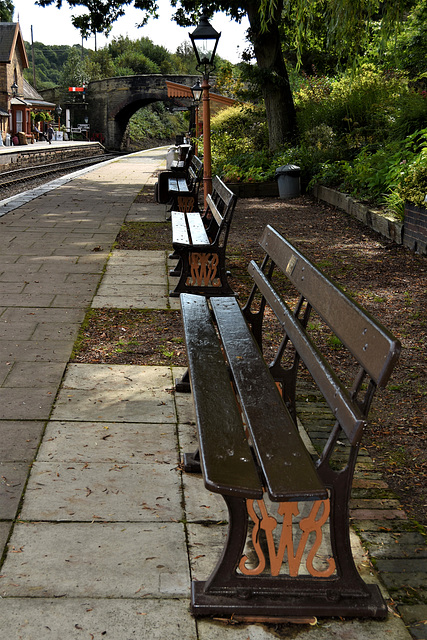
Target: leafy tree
{"x":410,"y":49}
{"x":158,"y":54}
{"x":157,"y":58}
{"x":185,"y":58}
{"x":6,"y":10}
{"x":228,"y":82}
{"x":347,"y":22}
{"x":74,"y":72}
{"x":100,"y":64}
{"x":137,"y":62}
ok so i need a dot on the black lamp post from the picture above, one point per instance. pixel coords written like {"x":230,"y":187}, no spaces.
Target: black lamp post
{"x":14,"y":88}
{"x":205,"y":41}
{"x":197,"y":91}
{"x":58,"y":112}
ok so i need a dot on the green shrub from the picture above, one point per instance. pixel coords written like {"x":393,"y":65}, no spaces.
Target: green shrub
{"x":389,"y":176}
{"x":413,"y":187}
{"x":411,"y":114}
{"x":239,"y":140}
{"x":360,"y":106}
{"x":362,"y":132}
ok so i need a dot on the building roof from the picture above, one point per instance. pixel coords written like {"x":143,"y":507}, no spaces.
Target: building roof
{"x":33,"y":97}
{"x":10,"y":38}
{"x":19,"y":102}
{"x":176,"y":90}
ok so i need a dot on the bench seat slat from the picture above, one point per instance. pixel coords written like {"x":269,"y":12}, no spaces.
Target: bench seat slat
{"x":182,"y":185}
{"x":226,"y":457}
{"x":178,"y":185}
{"x":197,"y":229}
{"x":179,"y":228}
{"x":288,"y":468}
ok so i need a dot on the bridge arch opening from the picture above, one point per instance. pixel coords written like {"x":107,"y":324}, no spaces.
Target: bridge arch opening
{"x":150,"y":123}
{"x":113,"y":101}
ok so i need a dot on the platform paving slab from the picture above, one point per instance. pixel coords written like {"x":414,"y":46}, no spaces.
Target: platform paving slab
{"x":43,"y":315}
{"x":20,"y":439}
{"x":77,"y":618}
{"x":13,"y":476}
{"x":96,"y":559}
{"x":117,"y":393}
{"x":26,"y":403}
{"x":37,"y":350}
{"x":146,"y":212}
{"x":111,"y":492}
{"x":128,"y":291}
{"x":202,"y":505}
{"x":117,"y":442}
{"x":5,"y":368}
{"x":4,"y":534}
{"x":321,"y":630}
{"x":151,"y":298}
{"x":134,"y":280}
{"x":416,"y":617}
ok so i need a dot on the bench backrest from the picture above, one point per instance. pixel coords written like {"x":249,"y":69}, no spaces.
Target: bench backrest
{"x":195,"y":173}
{"x":219,"y":212}
{"x":374,"y":350}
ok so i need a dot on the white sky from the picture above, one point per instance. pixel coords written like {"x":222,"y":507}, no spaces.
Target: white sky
{"x":53,"y":26}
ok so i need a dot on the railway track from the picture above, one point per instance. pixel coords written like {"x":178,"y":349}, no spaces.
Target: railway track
{"x":19,"y":179}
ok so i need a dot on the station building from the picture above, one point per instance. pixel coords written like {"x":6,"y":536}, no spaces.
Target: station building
{"x":19,"y":101}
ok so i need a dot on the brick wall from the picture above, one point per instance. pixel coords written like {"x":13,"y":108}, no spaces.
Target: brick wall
{"x":415,"y":229}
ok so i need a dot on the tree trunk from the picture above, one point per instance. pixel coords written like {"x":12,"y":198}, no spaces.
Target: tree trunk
{"x":274,"y":79}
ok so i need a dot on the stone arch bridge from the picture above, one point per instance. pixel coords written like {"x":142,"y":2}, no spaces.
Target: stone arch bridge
{"x":113,"y":101}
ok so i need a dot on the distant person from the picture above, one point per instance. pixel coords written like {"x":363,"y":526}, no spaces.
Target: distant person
{"x":50,"y":133}
{"x":39,"y":134}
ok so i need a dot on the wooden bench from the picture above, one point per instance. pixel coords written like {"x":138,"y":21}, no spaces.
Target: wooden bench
{"x":183,"y":188}
{"x":254,"y":454}
{"x":186,"y":152}
{"x":200,"y":243}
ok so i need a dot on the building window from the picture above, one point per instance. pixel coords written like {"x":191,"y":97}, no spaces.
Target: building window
{"x":18,"y":120}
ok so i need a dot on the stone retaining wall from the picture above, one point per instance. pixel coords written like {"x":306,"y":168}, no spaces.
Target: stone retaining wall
{"x":385,"y":225}
{"x":31,"y":155}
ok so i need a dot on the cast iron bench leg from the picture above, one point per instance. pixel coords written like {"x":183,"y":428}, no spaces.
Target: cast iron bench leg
{"x":205,"y":594}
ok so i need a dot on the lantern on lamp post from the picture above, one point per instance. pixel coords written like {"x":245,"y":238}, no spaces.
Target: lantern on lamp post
{"x":205,"y":41}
